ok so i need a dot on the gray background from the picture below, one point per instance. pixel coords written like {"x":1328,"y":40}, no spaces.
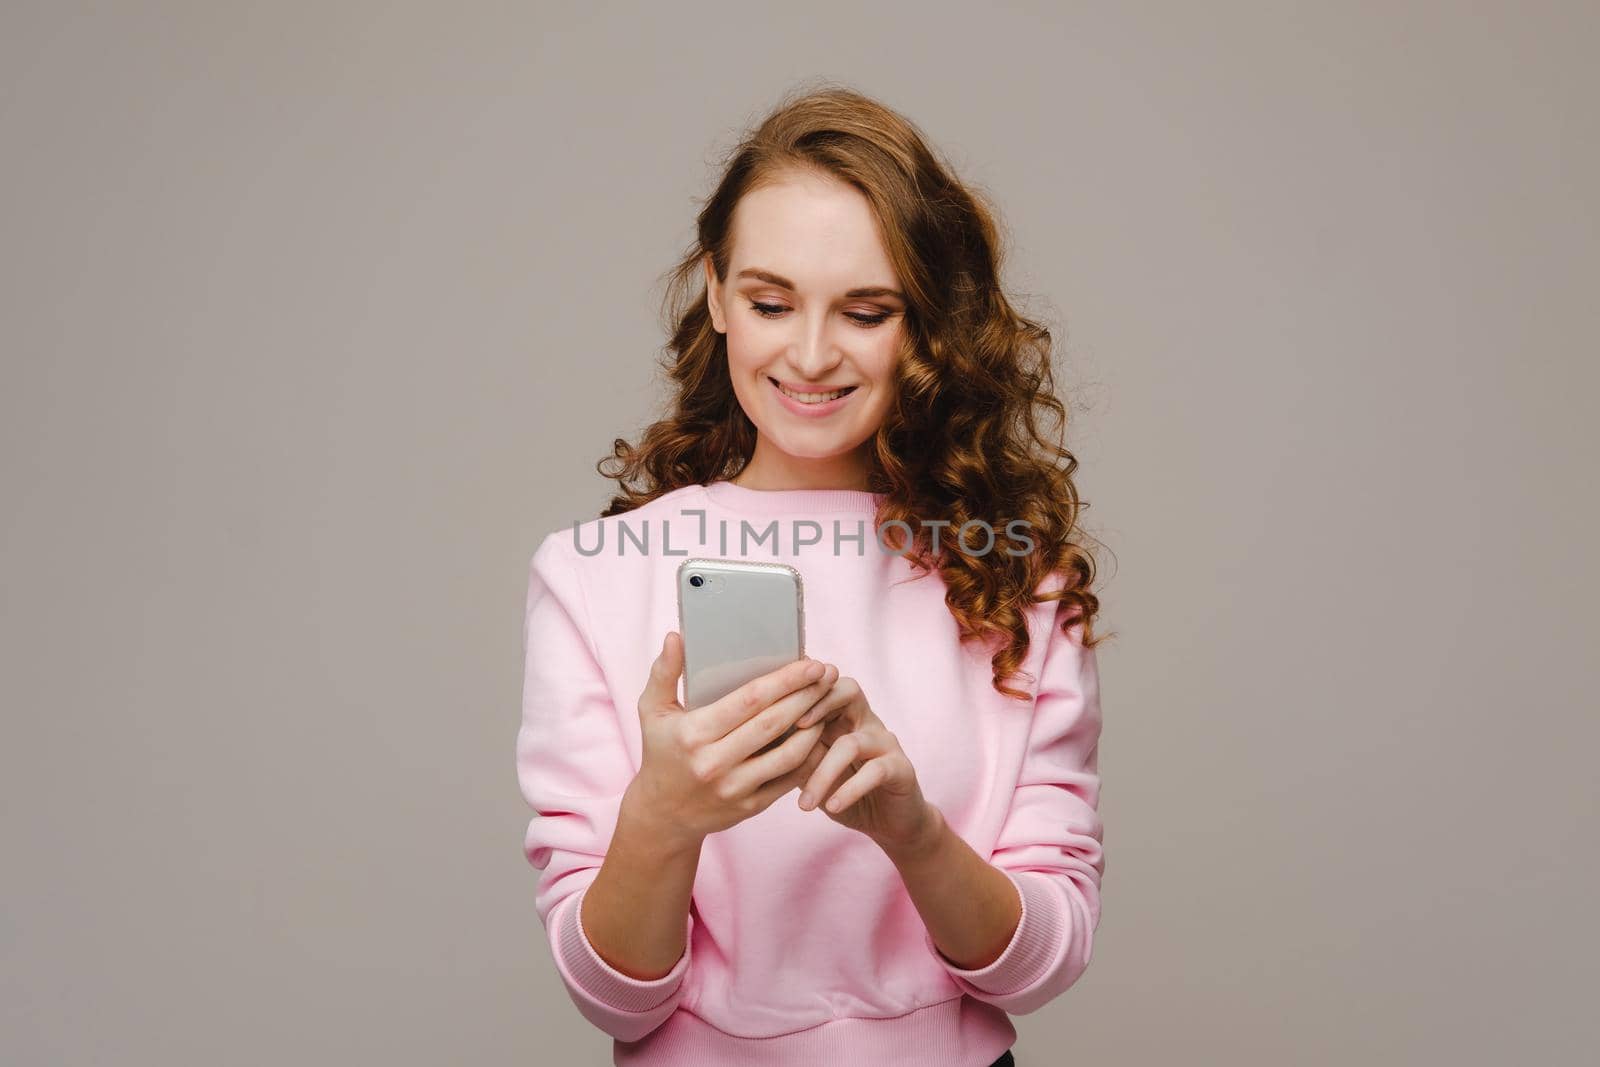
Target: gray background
{"x":316,"y":318}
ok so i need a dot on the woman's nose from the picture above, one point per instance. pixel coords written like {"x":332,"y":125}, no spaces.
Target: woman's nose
{"x":815,"y":353}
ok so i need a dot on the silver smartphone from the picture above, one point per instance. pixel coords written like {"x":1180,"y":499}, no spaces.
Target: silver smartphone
{"x":739,"y":619}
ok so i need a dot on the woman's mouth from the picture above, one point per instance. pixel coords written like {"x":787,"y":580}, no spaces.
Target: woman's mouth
{"x":809,"y":400}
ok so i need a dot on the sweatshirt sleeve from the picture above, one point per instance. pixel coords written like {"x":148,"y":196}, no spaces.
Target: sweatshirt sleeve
{"x":1050,"y":843}
{"x":573,"y":769}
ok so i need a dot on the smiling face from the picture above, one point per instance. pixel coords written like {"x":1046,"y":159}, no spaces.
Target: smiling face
{"x":813,"y":322}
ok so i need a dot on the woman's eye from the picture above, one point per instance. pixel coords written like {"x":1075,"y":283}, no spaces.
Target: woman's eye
{"x":869,"y":320}
{"x":772,"y":311}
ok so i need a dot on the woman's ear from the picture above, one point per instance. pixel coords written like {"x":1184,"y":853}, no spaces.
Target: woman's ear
{"x":714,"y":296}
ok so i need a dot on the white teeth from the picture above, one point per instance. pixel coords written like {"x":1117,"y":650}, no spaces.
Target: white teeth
{"x":812,"y":398}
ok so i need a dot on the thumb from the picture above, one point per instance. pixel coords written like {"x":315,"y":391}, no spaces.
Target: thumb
{"x":661,"y":688}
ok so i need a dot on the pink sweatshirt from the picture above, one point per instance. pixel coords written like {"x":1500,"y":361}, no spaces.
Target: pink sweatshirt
{"x":803,"y":946}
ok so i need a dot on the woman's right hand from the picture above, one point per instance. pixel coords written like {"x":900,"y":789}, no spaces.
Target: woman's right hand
{"x":698,"y":773}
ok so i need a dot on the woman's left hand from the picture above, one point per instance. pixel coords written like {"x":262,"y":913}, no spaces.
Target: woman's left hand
{"x":882,"y":798}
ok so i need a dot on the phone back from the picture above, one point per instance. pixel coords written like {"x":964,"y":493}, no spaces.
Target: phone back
{"x":739,"y":619}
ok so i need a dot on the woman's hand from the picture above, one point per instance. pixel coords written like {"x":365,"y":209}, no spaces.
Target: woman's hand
{"x":704,"y":770}
{"x":881,"y":798}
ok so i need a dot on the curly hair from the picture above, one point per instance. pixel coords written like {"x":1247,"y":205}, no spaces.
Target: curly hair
{"x":968,"y":436}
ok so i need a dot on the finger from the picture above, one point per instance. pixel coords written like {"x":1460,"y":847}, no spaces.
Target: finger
{"x":835,"y":763}
{"x":826,"y":708}
{"x":872,"y":774}
{"x":814,"y":758}
{"x":768,"y":724}
{"x":843,"y":698}
{"x":661,"y":687}
{"x":719,"y":717}
{"x":785,"y":775}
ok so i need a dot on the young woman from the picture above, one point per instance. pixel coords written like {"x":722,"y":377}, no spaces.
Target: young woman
{"x":850,"y":378}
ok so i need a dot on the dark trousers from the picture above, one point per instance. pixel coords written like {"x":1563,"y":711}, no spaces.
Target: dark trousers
{"x":1005,"y":1060}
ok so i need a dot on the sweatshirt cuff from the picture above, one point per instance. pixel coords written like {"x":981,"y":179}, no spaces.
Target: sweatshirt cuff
{"x":601,"y":980}
{"x":1034,"y":946}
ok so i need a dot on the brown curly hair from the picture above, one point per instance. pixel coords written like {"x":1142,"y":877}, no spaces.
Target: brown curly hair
{"x":965,"y":438}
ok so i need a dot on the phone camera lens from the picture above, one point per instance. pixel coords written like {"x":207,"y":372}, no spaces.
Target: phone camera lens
{"x":696,"y":581}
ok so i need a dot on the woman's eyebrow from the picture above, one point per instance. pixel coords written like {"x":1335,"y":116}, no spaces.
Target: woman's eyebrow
{"x":784,"y":283}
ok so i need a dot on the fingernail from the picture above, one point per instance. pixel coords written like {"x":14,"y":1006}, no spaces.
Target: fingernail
{"x":805,"y":801}
{"x":814,"y":671}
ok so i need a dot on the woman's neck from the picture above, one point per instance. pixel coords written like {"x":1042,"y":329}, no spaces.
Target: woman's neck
{"x":767,"y":471}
